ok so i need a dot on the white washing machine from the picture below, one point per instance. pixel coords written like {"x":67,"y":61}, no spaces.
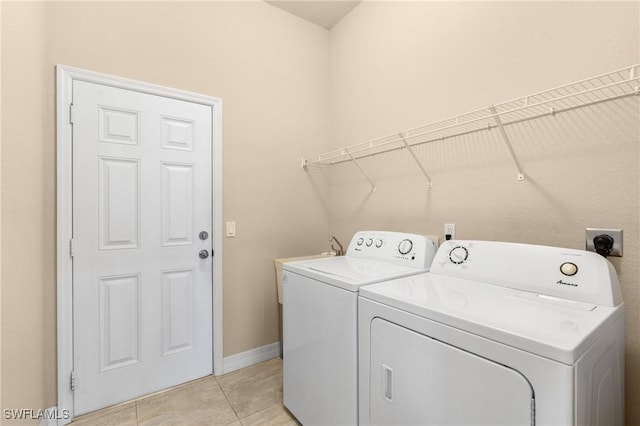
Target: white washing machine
{"x":495,"y":334}
{"x":320,"y":321}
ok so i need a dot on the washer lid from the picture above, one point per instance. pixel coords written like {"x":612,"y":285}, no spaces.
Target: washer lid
{"x":552,"y":327}
{"x":349,"y":272}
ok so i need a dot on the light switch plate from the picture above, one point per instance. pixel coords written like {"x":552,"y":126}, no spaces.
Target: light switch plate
{"x":231,"y":229}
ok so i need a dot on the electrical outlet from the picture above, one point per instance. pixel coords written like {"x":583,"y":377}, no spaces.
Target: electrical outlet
{"x":449,"y":231}
{"x":616,"y":234}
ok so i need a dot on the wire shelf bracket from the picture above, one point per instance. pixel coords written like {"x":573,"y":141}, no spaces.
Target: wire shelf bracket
{"x":507,"y":141}
{"x":355,"y":162}
{"x":403,"y":136}
{"x":610,"y":86}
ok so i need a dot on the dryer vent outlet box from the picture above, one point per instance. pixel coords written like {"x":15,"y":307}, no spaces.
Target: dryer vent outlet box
{"x":616,"y":234}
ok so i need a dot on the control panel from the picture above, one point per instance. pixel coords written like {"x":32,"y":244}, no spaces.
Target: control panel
{"x":552,"y":271}
{"x":393,"y":247}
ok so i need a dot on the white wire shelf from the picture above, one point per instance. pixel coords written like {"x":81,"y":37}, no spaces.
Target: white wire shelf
{"x":602,"y":88}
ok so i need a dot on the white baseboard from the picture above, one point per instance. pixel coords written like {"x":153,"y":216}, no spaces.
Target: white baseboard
{"x":251,"y":357}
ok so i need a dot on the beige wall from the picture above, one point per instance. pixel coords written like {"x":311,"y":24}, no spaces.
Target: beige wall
{"x":270,"y":69}
{"x":397,"y":65}
{"x":0,"y":207}
{"x":289,"y":89}
{"x":28,"y":274}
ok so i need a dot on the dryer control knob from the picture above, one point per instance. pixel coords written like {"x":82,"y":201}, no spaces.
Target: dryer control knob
{"x":458,"y":255}
{"x":369,"y":242}
{"x":405,"y":246}
{"x":569,"y":268}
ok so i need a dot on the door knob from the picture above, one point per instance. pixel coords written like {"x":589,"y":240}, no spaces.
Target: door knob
{"x":203,"y":254}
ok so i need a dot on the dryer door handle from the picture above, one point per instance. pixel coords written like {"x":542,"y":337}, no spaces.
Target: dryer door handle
{"x":387,"y":380}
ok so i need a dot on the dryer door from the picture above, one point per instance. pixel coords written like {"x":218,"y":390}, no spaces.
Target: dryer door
{"x":416,"y":380}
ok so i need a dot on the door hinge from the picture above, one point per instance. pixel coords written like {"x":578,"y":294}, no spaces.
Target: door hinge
{"x":72,"y":381}
{"x":71,"y":113}
{"x":72,"y":247}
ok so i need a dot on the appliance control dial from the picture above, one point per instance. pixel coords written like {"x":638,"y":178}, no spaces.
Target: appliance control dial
{"x":405,"y":246}
{"x":379,"y":243}
{"x":369,"y":242}
{"x":569,"y":269}
{"x":458,"y":255}
{"x":360,"y":241}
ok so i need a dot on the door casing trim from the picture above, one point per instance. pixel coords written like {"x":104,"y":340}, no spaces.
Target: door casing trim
{"x":65,"y":76}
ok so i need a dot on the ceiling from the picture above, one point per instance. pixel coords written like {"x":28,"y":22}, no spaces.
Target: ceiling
{"x":325,"y":13}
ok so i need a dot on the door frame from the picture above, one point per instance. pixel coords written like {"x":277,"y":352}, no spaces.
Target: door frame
{"x":65,"y":76}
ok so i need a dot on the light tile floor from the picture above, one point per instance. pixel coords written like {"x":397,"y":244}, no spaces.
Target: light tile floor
{"x":247,"y":397}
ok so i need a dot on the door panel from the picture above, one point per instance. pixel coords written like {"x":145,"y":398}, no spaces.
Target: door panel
{"x":142,"y":297}
{"x":118,"y":203}
{"x":177,"y":204}
{"x":178,"y":303}
{"x":119,"y":321}
{"x":416,"y":380}
{"x":119,"y":126}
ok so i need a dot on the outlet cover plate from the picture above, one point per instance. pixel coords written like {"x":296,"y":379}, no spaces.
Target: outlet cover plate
{"x":591,"y":233}
{"x":450,"y":229}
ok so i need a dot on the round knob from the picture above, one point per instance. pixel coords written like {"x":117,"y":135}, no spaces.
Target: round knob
{"x":369,"y":242}
{"x":360,"y":241}
{"x":379,"y":243}
{"x":203,"y":254}
{"x":458,"y":255}
{"x":405,"y":246}
{"x":569,"y":269}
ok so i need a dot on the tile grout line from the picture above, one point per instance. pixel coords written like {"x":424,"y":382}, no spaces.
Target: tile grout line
{"x":228,"y":400}
{"x":279,"y":403}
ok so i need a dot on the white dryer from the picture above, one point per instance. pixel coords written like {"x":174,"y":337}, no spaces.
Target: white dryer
{"x":320,"y":321}
{"x":496,"y":334}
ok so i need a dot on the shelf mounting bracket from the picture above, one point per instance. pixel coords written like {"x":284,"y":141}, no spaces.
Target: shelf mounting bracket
{"x":507,"y":141}
{"x":403,"y":136}
{"x":354,"y":161}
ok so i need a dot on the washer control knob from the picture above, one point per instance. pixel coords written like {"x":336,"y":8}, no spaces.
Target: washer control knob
{"x":369,"y":242}
{"x":360,"y":241}
{"x":379,"y":243}
{"x":569,"y":269}
{"x":405,"y":246}
{"x":458,"y":255}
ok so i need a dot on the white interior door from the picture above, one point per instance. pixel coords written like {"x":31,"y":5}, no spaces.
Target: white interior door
{"x":142,"y":295}
{"x":417,"y":380}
